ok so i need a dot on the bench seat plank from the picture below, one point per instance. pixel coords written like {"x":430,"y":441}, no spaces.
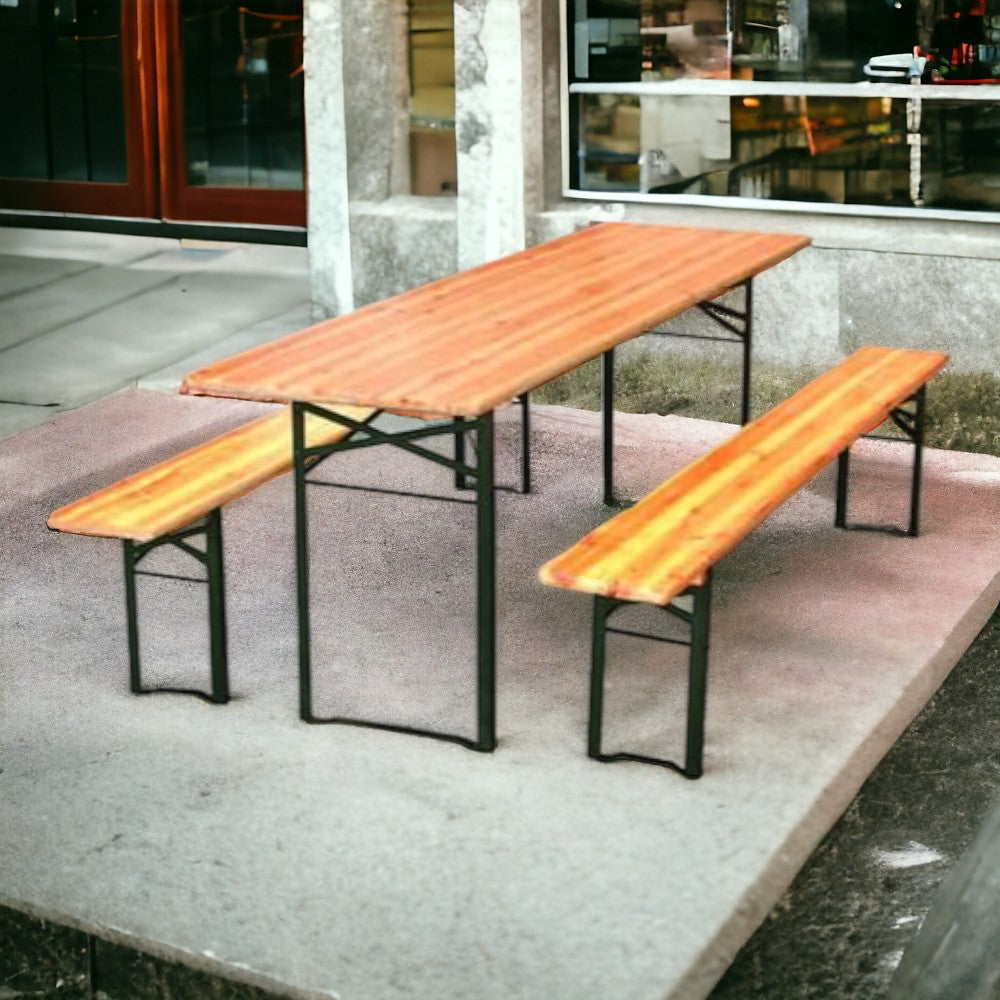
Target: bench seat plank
{"x":175,"y":492}
{"x":667,"y":542}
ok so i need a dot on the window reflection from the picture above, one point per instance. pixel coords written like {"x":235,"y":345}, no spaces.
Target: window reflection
{"x":433,"y":162}
{"x":854,"y":150}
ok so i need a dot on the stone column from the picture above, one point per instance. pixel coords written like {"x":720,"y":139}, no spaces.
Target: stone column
{"x":489,"y":123}
{"x":326,"y":151}
{"x":376,"y":71}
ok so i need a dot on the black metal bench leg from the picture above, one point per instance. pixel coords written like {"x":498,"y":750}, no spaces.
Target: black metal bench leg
{"x":912,"y":424}
{"x":302,"y":562}
{"x":699,"y":621}
{"x":211,"y":559}
{"x":217,"y":607}
{"x":843,"y":464}
{"x":603,"y":606}
{"x":920,"y":399}
{"x":698,"y":677}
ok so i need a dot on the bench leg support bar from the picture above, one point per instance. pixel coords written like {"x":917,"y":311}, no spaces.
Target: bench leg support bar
{"x":912,"y":424}
{"x":699,"y":620}
{"x":525,"y":442}
{"x":462,"y":480}
{"x":211,"y":558}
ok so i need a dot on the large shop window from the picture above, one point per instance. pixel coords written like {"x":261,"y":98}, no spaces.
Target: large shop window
{"x":892,"y":103}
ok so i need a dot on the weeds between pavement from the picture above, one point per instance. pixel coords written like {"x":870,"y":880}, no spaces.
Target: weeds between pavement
{"x":963,"y":410}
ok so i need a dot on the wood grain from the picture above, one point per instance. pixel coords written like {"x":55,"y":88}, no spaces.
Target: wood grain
{"x":665,"y":543}
{"x":173,"y":493}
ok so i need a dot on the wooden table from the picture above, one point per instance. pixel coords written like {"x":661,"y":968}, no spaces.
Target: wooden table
{"x":460,"y":347}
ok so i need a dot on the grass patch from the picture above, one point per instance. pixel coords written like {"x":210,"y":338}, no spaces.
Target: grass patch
{"x":963,"y":410}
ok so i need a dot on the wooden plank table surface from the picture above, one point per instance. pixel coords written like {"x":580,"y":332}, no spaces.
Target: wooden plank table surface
{"x":468,"y":343}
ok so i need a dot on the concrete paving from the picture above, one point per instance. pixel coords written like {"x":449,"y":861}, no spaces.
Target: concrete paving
{"x":344,"y":862}
{"x":85,"y":314}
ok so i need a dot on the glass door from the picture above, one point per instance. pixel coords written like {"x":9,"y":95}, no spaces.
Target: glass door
{"x":73,"y":108}
{"x":189,"y":110}
{"x":232,"y":125}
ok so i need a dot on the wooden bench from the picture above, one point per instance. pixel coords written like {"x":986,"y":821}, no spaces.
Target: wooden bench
{"x":180,"y":499}
{"x":666,"y":545}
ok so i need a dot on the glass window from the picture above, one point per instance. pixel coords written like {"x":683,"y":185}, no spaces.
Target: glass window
{"x":243,"y":94}
{"x":852,"y":102}
{"x":433,"y":162}
{"x":61,"y":74}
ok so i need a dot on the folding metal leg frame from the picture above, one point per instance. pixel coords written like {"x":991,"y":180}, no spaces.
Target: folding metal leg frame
{"x":211,"y":559}
{"x":364,"y":435}
{"x":699,"y":621}
{"x":460,"y":477}
{"x":912,"y":424}
{"x":739,"y":322}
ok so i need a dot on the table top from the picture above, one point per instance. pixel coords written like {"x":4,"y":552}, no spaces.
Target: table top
{"x":465,"y":344}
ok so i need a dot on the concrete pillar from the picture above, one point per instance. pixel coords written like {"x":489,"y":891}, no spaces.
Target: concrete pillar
{"x":376,"y":69}
{"x":326,"y":151}
{"x":489,"y":123}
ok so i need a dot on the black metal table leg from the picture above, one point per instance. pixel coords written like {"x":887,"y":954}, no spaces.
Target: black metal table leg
{"x":460,"y":482}
{"x":302,"y":562}
{"x":747,"y":341}
{"x":608,"y":423}
{"x":525,"y":444}
{"x":919,"y":415}
{"x":485,"y":585}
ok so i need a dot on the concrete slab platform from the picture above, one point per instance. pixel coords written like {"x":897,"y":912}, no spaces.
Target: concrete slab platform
{"x":359,"y":864}
{"x":77,"y":361}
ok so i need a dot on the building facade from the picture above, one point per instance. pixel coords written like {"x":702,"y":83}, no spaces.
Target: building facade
{"x":413,"y":138}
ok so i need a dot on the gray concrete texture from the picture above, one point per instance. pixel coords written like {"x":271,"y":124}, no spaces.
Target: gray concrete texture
{"x":362,"y":864}
{"x":84,"y":314}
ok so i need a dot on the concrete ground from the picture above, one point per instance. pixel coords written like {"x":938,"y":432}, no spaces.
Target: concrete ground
{"x":368,"y":864}
{"x":85,"y":314}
